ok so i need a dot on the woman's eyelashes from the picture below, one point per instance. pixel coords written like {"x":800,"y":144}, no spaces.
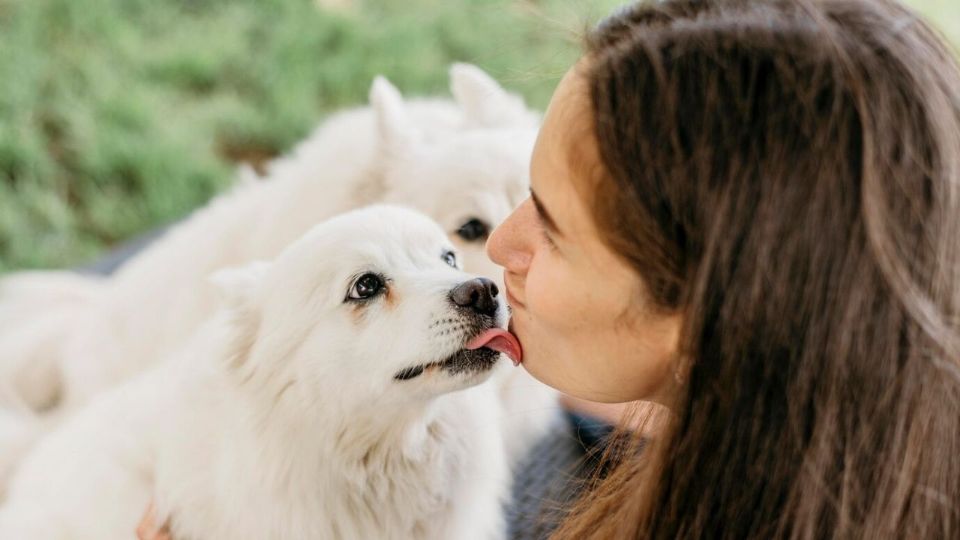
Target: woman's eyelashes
{"x":544,"y":230}
{"x":545,"y":234}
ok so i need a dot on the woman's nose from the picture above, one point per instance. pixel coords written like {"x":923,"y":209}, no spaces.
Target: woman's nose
{"x":509,"y":245}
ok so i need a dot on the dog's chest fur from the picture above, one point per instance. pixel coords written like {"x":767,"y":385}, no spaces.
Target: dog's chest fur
{"x":441,"y":475}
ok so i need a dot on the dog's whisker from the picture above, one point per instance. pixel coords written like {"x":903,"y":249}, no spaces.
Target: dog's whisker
{"x":409,"y":373}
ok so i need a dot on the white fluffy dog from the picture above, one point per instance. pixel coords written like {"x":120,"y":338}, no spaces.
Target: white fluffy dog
{"x":464,"y":163}
{"x":465,"y":166}
{"x":336,"y":395}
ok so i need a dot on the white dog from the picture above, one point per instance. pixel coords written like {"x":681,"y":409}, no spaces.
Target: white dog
{"x":463,"y":163}
{"x":336,"y":395}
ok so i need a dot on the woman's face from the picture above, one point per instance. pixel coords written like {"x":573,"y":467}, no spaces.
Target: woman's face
{"x":578,"y":309}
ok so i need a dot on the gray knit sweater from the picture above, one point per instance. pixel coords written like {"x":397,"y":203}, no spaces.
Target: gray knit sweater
{"x":553,"y":475}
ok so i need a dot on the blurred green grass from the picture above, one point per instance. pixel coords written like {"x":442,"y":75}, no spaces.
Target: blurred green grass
{"x":119,"y":115}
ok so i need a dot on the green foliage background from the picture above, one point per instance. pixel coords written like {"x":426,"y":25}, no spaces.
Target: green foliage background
{"x":119,"y":115}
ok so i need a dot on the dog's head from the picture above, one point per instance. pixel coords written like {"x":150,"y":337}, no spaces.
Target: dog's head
{"x":467,"y":179}
{"x":369,"y":305}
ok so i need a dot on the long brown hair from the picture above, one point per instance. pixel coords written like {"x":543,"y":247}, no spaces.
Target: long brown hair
{"x":786,"y":174}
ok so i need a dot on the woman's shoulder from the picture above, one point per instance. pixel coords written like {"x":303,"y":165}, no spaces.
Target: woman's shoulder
{"x":553,"y":475}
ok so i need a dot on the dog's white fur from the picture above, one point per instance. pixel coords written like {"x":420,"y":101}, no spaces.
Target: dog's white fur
{"x":37,"y":313}
{"x":451,"y":160}
{"x":449,"y":171}
{"x":282,"y":418}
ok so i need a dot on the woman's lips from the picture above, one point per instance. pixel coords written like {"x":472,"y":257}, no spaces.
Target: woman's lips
{"x":511,"y":299}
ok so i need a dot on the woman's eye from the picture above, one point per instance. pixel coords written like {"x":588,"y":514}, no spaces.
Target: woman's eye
{"x":473,"y":230}
{"x":367,"y":286}
{"x":546,"y":237}
{"x":450,"y":258}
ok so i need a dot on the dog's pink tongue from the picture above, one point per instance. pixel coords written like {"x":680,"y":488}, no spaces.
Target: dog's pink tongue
{"x":499,"y":340}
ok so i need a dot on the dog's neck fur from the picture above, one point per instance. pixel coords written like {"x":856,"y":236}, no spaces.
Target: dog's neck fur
{"x":364,"y":439}
{"x":393,"y":470}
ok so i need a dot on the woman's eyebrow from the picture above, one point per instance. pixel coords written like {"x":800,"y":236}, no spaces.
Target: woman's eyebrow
{"x":547,"y":220}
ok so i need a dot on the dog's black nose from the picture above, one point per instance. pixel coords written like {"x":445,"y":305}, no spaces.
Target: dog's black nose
{"x":479,"y":294}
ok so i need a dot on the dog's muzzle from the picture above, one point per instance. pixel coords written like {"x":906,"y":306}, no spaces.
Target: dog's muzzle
{"x":476,"y":300}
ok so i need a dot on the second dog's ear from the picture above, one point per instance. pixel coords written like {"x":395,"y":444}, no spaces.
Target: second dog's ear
{"x":397,"y":133}
{"x":484,"y":102}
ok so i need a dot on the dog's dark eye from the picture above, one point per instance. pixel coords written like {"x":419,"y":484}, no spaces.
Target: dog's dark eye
{"x":473,"y":230}
{"x":367,"y":286}
{"x":450,"y":258}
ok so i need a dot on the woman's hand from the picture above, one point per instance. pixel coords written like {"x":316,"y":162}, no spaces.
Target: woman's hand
{"x":148,"y":530}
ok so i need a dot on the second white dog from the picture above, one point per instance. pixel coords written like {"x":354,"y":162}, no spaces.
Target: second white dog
{"x":336,"y":395}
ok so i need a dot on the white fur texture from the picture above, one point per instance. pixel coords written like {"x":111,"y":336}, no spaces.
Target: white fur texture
{"x":282,"y":418}
{"x":453,"y":160}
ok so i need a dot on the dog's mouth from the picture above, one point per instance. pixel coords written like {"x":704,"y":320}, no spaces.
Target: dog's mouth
{"x":479,"y":354}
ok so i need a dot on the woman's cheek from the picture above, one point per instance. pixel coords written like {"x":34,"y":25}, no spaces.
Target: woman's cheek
{"x":548,"y":293}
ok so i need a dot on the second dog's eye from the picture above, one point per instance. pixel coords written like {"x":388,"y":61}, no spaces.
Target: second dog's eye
{"x":366,"y":286}
{"x":450,"y":258}
{"x":473,"y":230}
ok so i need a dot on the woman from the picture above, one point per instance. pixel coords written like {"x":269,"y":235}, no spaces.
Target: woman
{"x":749,"y":212}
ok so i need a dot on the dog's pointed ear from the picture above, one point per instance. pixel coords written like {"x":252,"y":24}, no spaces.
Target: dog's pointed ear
{"x":484,"y":102}
{"x":397,"y":133}
{"x":237,"y":283}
